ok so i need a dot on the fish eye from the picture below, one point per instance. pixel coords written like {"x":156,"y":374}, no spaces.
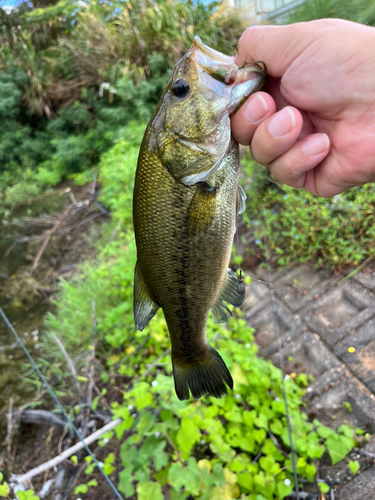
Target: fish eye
{"x":180,"y":87}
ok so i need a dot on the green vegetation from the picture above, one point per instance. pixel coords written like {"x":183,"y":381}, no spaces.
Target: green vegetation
{"x":77,"y":84}
{"x":206,"y":449}
{"x":300,"y":227}
{"x":72,"y":74}
{"x":359,"y":11}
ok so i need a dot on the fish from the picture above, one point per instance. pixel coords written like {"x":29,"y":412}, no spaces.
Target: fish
{"x":186,"y":199}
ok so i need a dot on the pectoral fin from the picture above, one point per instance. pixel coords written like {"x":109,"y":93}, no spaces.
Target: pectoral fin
{"x":143,"y":306}
{"x":230,"y":295}
{"x":241,"y":200}
{"x":202,"y":210}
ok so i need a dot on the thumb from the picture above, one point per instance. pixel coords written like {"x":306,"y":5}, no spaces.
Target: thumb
{"x":280,"y":46}
{"x":276,"y":46}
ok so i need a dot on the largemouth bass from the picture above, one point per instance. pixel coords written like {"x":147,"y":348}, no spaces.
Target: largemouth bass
{"x":186,"y":198}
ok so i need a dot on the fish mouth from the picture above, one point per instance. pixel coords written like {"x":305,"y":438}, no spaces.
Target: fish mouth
{"x":216,"y":64}
{"x":240,"y":82}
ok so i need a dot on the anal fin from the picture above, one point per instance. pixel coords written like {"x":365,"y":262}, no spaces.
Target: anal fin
{"x":231,"y":294}
{"x":241,"y":200}
{"x":143,"y":306}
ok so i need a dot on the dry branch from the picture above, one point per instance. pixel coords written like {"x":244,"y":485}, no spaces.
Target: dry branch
{"x":69,"y":361}
{"x":49,"y":236}
{"x":43,"y":417}
{"x":25,"y":478}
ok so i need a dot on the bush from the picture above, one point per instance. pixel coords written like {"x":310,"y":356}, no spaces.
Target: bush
{"x":300,"y":227}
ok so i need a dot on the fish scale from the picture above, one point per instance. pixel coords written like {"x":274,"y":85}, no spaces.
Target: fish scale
{"x":184,"y":210}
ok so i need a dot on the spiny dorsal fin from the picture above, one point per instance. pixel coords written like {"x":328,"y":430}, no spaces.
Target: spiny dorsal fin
{"x":241,"y":200}
{"x":143,"y":306}
{"x":230,"y":295}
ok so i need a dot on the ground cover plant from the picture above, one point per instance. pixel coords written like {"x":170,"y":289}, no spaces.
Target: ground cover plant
{"x":235,"y":447}
{"x":300,"y":227}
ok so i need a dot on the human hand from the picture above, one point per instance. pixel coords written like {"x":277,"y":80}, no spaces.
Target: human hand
{"x":314,"y":126}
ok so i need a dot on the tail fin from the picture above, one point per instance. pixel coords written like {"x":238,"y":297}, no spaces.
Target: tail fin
{"x":203,"y":377}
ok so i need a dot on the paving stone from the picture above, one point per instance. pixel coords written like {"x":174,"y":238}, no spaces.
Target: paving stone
{"x":255,"y":292}
{"x":288,"y":325}
{"x":362,"y":361}
{"x":339,"y":311}
{"x":362,"y":487}
{"x":261,"y":273}
{"x":301,"y":285}
{"x":324,"y":382}
{"x":309,"y":355}
{"x":329,"y":409}
{"x":365,"y":278}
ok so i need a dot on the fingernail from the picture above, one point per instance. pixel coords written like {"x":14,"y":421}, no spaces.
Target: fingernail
{"x":256,"y":109}
{"x":282,"y":123}
{"x":318,"y":143}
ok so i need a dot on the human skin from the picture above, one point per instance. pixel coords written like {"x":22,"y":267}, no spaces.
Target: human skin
{"x":314,"y":125}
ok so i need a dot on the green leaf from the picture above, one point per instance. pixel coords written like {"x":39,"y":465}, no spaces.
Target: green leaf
{"x":259,"y":435}
{"x":245,"y":480}
{"x":276,"y":427}
{"x":266,"y":462}
{"x":4,"y":490}
{"x":187,"y":436}
{"x":284,"y":488}
{"x":324,"y":488}
{"x":126,"y":481}
{"x":338,"y":446}
{"x":81,"y":488}
{"x":93,"y":482}
{"x":353,"y":466}
{"x":108,"y":469}
{"x":110,"y":458}
{"x":149,"y":491}
{"x":261,"y":421}
{"x":188,"y":477}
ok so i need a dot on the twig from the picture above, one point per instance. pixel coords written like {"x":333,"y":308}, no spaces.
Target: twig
{"x":43,"y":417}
{"x":69,"y":361}
{"x":364,"y":453}
{"x":152,"y":366}
{"x":48,"y":237}
{"x":114,"y":232}
{"x":8,"y":439}
{"x":258,"y":456}
{"x":359,"y":268}
{"x":96,"y":389}
{"x":25,"y":478}
{"x":276,"y":443}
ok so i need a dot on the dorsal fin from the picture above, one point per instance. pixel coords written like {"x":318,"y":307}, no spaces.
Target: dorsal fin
{"x":230,"y":295}
{"x":143,"y":306}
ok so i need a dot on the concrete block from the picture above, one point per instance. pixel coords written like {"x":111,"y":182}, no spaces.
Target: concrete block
{"x":362,"y":361}
{"x":263,"y":321}
{"x":303,"y":284}
{"x":341,"y":310}
{"x":306,"y":354}
{"x":324,"y":382}
{"x":329,"y":409}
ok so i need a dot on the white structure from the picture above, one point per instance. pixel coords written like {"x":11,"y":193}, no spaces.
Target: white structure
{"x":261,"y":10}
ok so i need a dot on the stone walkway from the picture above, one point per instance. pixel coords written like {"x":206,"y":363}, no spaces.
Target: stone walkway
{"x":320,"y":321}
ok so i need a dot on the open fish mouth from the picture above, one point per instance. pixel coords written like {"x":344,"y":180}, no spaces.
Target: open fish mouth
{"x":239,"y":83}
